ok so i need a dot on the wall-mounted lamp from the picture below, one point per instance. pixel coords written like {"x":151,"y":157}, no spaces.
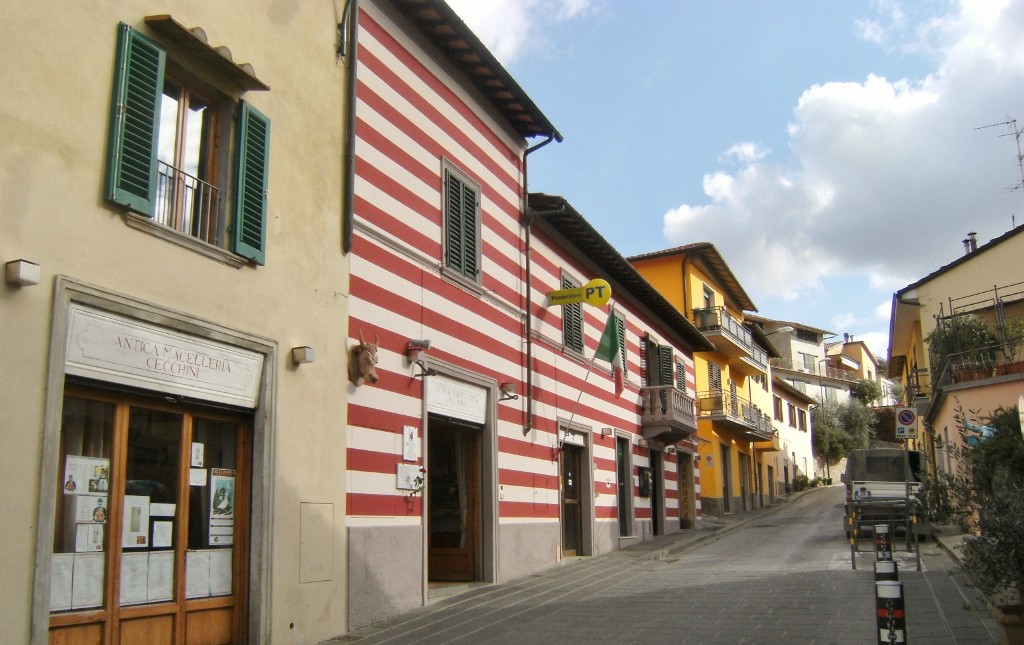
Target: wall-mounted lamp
{"x":606,"y":432}
{"x":416,"y":353}
{"x":785,"y":329}
{"x":21,"y":273}
{"x":670,"y":450}
{"x":304,"y":354}
{"x":508,"y":391}
{"x":642,"y":443}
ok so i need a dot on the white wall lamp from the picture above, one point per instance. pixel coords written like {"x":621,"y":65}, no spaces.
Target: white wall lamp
{"x":607,"y":432}
{"x":508,"y":391}
{"x":21,"y":273}
{"x":303,"y":355}
{"x":416,"y":353}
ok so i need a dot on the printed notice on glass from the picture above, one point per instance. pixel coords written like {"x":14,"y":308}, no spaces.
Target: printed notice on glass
{"x":220,"y":572}
{"x":161,"y":510}
{"x":197,"y":477}
{"x":134,"y":578}
{"x":162,"y":535}
{"x":61,"y":568}
{"x":161,"y":576}
{"x":87,"y":585}
{"x":197,"y":454}
{"x":88,"y":538}
{"x":135,"y":532}
{"x":197,"y":574}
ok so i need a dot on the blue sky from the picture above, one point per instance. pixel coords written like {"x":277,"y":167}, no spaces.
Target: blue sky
{"x":830,"y":150}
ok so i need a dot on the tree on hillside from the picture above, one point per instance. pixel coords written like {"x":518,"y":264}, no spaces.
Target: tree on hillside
{"x":866,"y":391}
{"x":840,"y":428}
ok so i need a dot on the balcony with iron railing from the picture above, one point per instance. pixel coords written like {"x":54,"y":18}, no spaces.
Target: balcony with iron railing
{"x":735,"y":413}
{"x":668,"y":415}
{"x":186,"y":203}
{"x":1001,"y":359}
{"x":731,"y":339}
{"x":816,"y":369}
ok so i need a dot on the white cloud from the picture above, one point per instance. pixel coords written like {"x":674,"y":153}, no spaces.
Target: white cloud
{"x":885,"y":176}
{"x":746,"y":152}
{"x":507,"y":27}
{"x":843,"y":321}
{"x":883,"y":310}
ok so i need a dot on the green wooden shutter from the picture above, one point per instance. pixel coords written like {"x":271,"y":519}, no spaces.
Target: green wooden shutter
{"x":665,"y":364}
{"x":135,"y":122}
{"x":461,"y":226}
{"x":620,"y":329}
{"x":250,"y":227}
{"x":572,"y":320}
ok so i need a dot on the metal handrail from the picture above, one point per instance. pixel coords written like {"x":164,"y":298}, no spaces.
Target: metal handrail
{"x":186,"y":203}
{"x":667,"y":402}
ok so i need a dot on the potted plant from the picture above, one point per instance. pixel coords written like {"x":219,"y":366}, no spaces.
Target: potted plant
{"x":1012,"y":334}
{"x":967,"y":339}
{"x":987,"y":496}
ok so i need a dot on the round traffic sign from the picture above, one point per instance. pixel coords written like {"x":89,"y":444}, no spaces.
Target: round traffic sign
{"x":906,"y":417}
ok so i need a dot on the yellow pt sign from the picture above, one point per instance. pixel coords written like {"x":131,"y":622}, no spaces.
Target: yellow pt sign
{"x":596,"y":292}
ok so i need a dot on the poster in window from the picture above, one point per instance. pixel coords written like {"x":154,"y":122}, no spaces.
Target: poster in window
{"x":222,"y":494}
{"x":135,"y":531}
{"x":85,"y":475}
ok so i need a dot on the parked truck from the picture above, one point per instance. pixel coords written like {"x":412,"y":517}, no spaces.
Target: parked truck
{"x":878,"y":482}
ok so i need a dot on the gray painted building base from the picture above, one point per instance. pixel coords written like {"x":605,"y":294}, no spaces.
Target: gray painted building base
{"x":526,"y":549}
{"x":385,"y":572}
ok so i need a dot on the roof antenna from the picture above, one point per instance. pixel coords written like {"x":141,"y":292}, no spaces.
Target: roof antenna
{"x":1016,"y":132}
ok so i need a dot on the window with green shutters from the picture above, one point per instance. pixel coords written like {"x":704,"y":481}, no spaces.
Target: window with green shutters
{"x":572,"y":319}
{"x":162,"y":158}
{"x":461,"y":225}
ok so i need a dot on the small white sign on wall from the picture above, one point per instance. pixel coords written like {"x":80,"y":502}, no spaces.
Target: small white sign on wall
{"x":410,"y":444}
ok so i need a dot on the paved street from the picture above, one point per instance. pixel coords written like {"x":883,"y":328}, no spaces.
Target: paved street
{"x":778,"y":575}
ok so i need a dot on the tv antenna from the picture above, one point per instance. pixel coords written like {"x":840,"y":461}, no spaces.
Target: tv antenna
{"x":1016,"y":132}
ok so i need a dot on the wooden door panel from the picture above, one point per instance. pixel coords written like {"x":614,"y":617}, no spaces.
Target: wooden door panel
{"x":210,"y":627}
{"x":77,"y":635}
{"x":154,"y":630}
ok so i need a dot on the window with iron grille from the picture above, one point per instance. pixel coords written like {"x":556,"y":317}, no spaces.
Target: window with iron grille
{"x":167,"y":157}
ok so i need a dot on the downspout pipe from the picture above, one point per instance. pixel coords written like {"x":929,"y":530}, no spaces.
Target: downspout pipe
{"x":528,"y":217}
{"x":348,"y":33}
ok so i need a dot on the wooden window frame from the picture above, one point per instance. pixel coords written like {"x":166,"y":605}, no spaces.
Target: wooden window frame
{"x":132,"y":168}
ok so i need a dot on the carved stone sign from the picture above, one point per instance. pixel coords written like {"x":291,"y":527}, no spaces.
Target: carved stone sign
{"x":456,"y":399}
{"x":112,"y":348}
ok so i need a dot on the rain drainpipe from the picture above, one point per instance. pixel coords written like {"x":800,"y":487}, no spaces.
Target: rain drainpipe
{"x":528,"y":217}
{"x":348,"y":40}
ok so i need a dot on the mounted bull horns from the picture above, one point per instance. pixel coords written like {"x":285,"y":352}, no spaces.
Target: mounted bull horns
{"x":362,"y":364}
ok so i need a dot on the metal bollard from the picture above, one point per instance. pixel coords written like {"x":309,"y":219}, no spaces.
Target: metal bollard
{"x":883,"y":542}
{"x":886,"y":570}
{"x":889,"y":612}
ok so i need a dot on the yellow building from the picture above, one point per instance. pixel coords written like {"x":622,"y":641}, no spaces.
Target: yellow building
{"x":734,"y":398}
{"x":966,"y":376}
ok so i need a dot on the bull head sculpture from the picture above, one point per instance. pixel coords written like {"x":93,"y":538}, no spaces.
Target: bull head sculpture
{"x":362,"y":364}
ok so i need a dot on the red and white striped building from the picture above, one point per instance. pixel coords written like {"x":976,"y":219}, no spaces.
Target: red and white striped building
{"x":492,"y":444}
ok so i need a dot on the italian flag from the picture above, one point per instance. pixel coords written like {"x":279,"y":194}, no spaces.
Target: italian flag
{"x":610,"y":350}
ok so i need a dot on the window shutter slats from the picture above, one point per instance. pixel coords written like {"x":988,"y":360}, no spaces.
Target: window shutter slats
{"x":138,"y":88}
{"x":572,"y":320}
{"x":250,"y":228}
{"x":462,"y":226}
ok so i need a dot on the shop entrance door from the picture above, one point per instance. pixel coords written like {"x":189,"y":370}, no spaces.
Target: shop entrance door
{"x":151,"y":539}
{"x":453,"y":501}
{"x":572,"y":510}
